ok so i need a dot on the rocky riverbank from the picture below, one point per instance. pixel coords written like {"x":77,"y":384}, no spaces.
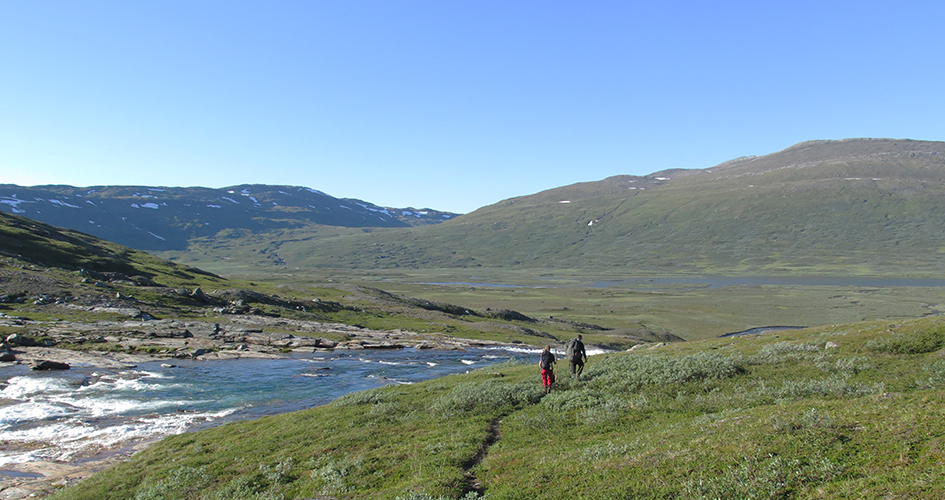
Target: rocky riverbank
{"x":105,"y":342}
{"x":124,"y":344}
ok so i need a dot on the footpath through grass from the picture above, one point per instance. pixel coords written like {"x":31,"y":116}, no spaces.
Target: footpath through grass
{"x":846,"y":411}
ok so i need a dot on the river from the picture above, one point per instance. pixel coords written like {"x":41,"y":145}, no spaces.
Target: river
{"x":66,"y":415}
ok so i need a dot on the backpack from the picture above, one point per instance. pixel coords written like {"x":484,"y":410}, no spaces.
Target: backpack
{"x":547,"y":358}
{"x":574,"y":349}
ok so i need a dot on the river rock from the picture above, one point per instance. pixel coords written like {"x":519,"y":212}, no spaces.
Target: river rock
{"x":7,"y":356}
{"x":49,"y":365}
{"x":199,"y":295}
{"x":19,"y":340}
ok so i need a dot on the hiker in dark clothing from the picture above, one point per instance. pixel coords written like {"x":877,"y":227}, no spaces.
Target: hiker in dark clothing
{"x":576,"y":355}
{"x":547,"y":364}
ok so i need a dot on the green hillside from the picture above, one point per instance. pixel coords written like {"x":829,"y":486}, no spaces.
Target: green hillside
{"x":848,"y":207}
{"x":845,"y":411}
{"x":32,"y":242}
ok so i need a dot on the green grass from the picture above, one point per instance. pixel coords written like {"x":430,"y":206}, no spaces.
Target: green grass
{"x":844,"y":411}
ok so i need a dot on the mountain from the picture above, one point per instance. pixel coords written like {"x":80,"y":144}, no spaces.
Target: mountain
{"x":860,"y":206}
{"x":855,"y":206}
{"x":154,"y":219}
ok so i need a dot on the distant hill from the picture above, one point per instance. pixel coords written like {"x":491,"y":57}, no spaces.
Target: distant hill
{"x":167,"y":218}
{"x":859,"y":206}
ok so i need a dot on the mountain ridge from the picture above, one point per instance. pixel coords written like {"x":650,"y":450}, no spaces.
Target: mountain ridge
{"x":166,"y":218}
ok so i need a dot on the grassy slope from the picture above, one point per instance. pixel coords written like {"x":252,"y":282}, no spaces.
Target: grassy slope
{"x":845,"y":411}
{"x":52,"y":247}
{"x":847,"y":207}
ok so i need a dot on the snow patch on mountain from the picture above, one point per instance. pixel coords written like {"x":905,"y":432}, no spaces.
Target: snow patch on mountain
{"x":15,"y":204}
{"x":62,"y":203}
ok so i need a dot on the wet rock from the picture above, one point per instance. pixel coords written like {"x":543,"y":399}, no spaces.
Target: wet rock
{"x":49,"y":365}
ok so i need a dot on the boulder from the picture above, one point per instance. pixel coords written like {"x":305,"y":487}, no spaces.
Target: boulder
{"x":49,"y":365}
{"x":19,"y":340}
{"x":7,"y":356}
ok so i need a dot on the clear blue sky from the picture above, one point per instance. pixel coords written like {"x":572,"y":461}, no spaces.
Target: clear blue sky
{"x":448,"y":104}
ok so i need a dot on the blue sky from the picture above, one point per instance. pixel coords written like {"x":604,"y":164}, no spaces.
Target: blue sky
{"x":448,"y":104}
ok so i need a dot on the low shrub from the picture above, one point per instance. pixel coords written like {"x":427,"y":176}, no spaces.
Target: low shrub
{"x":331,"y":474}
{"x":182,"y":482}
{"x":936,"y":378}
{"x":632,"y":373}
{"x":833,"y":386}
{"x":783,"y":351}
{"x":486,"y":396}
{"x":763,"y":478}
{"x":920,"y":342}
{"x":846,"y":367}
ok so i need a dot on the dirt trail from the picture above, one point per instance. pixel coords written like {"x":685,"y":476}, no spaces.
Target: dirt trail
{"x":493,"y":435}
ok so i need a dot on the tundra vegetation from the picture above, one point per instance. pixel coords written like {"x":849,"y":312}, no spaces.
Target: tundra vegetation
{"x":840,"y":411}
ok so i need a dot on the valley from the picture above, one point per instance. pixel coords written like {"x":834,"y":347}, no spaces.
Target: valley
{"x":839,"y":240}
{"x":687,"y":307}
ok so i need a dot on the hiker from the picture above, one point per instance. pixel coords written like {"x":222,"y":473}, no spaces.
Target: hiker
{"x":548,"y":363}
{"x":576,"y":355}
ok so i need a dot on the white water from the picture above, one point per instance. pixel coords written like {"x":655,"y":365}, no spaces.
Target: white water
{"x":67,"y":415}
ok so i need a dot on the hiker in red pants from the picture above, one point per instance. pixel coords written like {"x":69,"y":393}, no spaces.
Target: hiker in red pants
{"x":548,"y":363}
